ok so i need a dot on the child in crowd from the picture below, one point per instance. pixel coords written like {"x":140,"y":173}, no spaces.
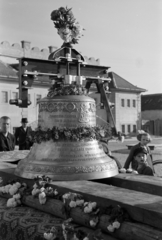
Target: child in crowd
{"x":143,"y":138}
{"x":140,"y":156}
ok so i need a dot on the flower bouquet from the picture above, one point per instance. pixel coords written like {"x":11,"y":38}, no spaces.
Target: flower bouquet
{"x":67,"y":27}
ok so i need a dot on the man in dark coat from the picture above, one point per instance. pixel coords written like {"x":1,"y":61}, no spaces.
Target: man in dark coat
{"x":7,"y":140}
{"x":22,"y":135}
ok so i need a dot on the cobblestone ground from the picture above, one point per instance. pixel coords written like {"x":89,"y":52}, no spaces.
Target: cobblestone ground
{"x":120,"y":151}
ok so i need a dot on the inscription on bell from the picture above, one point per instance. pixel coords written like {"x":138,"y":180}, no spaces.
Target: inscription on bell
{"x":61,"y":113}
{"x":84,"y":118}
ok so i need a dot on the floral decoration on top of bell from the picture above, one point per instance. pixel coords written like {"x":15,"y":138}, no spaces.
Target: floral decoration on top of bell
{"x":68,"y":28}
{"x":64,"y":90}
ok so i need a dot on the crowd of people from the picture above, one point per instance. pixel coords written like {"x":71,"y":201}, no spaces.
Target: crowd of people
{"x":139,"y":159}
{"x":20,"y":138}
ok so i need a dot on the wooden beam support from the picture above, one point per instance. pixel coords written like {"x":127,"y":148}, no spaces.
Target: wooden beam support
{"x":106,"y":103}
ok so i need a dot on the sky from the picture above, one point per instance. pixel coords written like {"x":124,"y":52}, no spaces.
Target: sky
{"x":125,"y":35}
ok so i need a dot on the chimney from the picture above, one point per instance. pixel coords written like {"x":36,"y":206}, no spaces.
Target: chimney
{"x":52,"y":49}
{"x":25,"y":45}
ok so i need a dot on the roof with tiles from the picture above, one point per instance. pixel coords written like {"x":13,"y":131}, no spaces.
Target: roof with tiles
{"x":151,"y":102}
{"x":6,"y":71}
{"x":120,"y":83}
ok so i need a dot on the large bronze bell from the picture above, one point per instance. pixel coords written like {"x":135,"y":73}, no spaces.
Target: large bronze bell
{"x":67,"y":160}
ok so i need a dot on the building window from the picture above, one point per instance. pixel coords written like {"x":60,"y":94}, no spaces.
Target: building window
{"x":4,"y":97}
{"x":128,"y":102}
{"x":122,"y":102}
{"x":134,"y":103}
{"x":15,"y":95}
{"x":129,"y":128}
{"x":123,"y":128}
{"x":134,"y":128}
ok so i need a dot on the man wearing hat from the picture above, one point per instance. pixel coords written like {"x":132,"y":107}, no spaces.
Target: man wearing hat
{"x":22,"y":135}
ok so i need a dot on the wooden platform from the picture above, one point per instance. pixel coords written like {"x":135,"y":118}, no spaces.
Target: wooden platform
{"x":140,"y":195}
{"x":140,"y":183}
{"x":152,"y":147}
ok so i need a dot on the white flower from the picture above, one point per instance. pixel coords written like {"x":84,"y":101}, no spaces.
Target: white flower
{"x":42,"y":182}
{"x":7,"y":187}
{"x":66,"y":195}
{"x":35,"y":191}
{"x":42,"y":201}
{"x":86,"y":238}
{"x":75,"y":237}
{"x":129,"y":170}
{"x":110,"y":228}
{"x":79,"y":202}
{"x":94,"y":205}
{"x":13,"y":189}
{"x":134,"y":172}
{"x":17,"y":196}
{"x":116,"y":224}
{"x":35,"y":185}
{"x":141,"y":131}
{"x":72,"y":204}
{"x":42,"y":195}
{"x":63,"y":226}
{"x":42,"y":189}
{"x":11,"y":202}
{"x":55,"y":192}
{"x":48,"y":236}
{"x":122,"y":170}
{"x":88,"y":209}
{"x":17,"y":184}
{"x":42,"y":198}
{"x":2,"y":189}
{"x":86,"y":204}
{"x":92,"y":223}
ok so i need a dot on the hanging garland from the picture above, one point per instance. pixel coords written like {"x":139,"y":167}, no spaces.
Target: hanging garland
{"x":70,"y":134}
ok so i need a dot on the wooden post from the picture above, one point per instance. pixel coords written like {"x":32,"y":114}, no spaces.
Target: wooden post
{"x":106,"y":103}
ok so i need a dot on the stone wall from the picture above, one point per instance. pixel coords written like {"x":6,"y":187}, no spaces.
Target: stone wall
{"x":24,"y":49}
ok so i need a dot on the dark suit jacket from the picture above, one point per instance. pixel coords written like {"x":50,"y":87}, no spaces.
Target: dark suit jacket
{"x":130,"y":159}
{"x":21,"y":137}
{"x":146,"y":170}
{"x":7,"y":143}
